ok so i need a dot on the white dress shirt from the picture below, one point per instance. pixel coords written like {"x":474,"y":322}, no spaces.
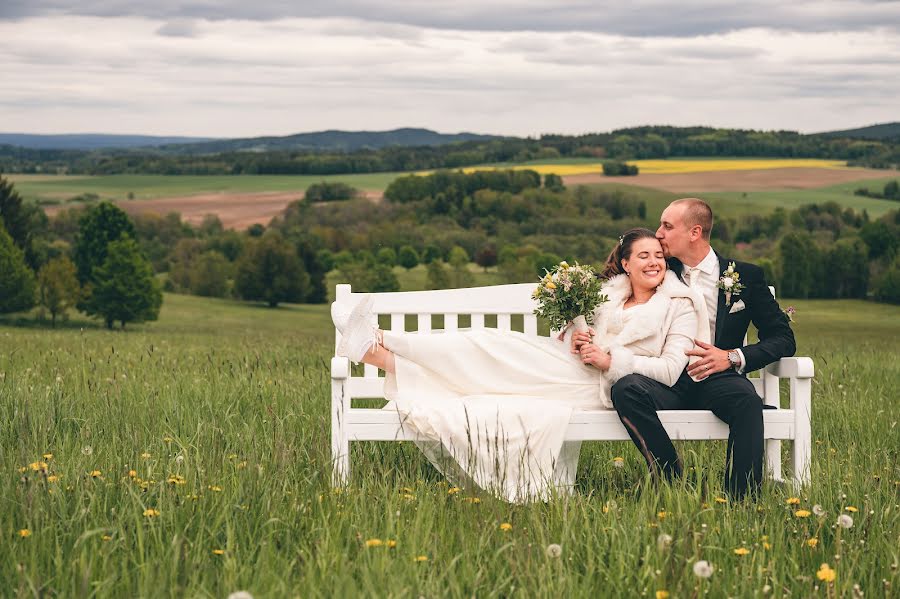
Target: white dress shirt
{"x":703,"y":278}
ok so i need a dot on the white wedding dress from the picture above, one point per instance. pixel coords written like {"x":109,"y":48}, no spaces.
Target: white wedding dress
{"x":495,"y":406}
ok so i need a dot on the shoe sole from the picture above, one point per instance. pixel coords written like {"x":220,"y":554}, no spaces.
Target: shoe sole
{"x":358,"y":315}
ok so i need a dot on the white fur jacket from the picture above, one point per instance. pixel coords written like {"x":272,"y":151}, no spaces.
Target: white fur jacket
{"x":655,"y":337}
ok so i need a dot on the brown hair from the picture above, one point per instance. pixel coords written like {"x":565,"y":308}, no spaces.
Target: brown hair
{"x":697,"y":212}
{"x":622,"y":251}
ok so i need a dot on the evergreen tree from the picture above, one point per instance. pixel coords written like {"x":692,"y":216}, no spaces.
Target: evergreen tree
{"x":270,"y":271}
{"x":58,"y":288}
{"x":22,"y":221}
{"x":124,"y":288}
{"x":16,"y":279}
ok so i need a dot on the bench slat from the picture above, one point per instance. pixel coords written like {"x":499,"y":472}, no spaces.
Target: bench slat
{"x":504,"y":322}
{"x":477,"y":321}
{"x":451,"y":321}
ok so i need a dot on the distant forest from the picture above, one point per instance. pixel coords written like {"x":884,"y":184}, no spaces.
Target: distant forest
{"x":873,"y":150}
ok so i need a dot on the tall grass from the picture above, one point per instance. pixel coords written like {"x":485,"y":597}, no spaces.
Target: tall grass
{"x":222,"y":413}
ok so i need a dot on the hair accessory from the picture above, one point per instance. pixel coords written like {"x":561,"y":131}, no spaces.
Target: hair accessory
{"x":621,"y":240}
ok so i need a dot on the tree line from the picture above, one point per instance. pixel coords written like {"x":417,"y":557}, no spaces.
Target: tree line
{"x":622,"y":144}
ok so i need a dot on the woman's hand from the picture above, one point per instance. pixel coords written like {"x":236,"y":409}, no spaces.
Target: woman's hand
{"x":579,"y":338}
{"x":591,"y":355}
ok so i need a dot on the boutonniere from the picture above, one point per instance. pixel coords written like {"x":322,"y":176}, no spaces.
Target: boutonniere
{"x":730,"y":283}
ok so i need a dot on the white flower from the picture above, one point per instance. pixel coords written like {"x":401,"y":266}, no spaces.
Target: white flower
{"x":703,"y":569}
{"x":817,"y":510}
{"x":663,"y":542}
{"x":727,"y":282}
{"x":179,"y":459}
{"x":87,"y":450}
{"x":845,"y":521}
{"x":553,"y":550}
{"x":240,"y":595}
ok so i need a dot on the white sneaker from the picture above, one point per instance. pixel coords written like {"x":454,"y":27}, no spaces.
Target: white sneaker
{"x":358,"y":333}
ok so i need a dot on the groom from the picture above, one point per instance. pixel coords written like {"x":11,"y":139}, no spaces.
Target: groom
{"x":722,"y":387}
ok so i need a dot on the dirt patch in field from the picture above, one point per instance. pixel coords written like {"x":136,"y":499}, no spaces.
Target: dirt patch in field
{"x":235,"y":210}
{"x":737,"y":180}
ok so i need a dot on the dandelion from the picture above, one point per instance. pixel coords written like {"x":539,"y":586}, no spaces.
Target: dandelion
{"x":145,"y":455}
{"x":818,"y":510}
{"x":175,"y":479}
{"x":151,"y":512}
{"x":845,"y":521}
{"x":618,"y":462}
{"x":851,"y":509}
{"x":553,"y":550}
{"x":766,"y":545}
{"x":391,"y":544}
{"x":240,"y":595}
{"x":703,"y":569}
{"x":132,"y":473}
{"x":168,"y":439}
{"x":106,"y":538}
{"x":96,"y":474}
{"x":662,"y":594}
{"x":409,"y":497}
{"x":52,"y":478}
{"x":374,"y":543}
{"x":661,"y":514}
{"x":420,"y":558}
{"x":793,"y":500}
{"x":215,"y":488}
{"x":741,"y":551}
{"x":452,"y":490}
{"x":87,"y":450}
{"x":24,"y":533}
{"x":663,"y":542}
{"x":506,"y":527}
{"x":473,"y":499}
{"x":826,"y":574}
{"x":38,"y":466}
{"x":721,"y":500}
{"x":813,"y":542}
{"x":218,"y":552}
{"x":47,"y":456}
{"x":802,"y":513}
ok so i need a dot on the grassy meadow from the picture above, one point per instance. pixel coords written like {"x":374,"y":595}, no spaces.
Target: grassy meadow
{"x":191,"y":457}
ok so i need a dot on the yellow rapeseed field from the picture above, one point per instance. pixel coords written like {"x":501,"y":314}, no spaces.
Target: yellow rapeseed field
{"x":678,"y":166}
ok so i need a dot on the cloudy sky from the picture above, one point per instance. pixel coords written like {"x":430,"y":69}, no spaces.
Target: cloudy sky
{"x":233,"y":68}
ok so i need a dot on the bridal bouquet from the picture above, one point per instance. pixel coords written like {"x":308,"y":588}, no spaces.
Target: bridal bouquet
{"x":568,"y":294}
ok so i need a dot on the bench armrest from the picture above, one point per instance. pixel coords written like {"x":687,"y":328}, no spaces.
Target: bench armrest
{"x":792,"y":368}
{"x":340,"y":367}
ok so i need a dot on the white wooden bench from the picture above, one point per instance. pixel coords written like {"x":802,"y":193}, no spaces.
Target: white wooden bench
{"x":509,"y":301}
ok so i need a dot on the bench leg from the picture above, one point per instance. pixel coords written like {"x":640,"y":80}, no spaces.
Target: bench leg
{"x":340,"y":438}
{"x":801,"y":400}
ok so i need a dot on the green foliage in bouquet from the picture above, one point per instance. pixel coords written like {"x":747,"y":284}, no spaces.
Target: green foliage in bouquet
{"x":566,"y":292}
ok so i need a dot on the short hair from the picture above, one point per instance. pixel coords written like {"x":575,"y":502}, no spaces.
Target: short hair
{"x":697,"y":212}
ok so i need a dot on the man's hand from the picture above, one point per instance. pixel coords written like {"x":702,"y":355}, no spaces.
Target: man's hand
{"x":579,"y":338}
{"x":591,"y":355}
{"x":712,"y":360}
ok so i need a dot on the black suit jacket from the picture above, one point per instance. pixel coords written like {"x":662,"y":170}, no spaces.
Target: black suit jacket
{"x":776,"y":339}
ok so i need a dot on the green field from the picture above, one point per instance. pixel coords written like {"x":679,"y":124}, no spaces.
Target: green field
{"x":221,"y":409}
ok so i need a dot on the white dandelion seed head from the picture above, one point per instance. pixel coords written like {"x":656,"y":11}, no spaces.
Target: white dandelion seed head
{"x":554,"y":550}
{"x":818,"y":510}
{"x":845,"y":521}
{"x":240,"y":595}
{"x":663,"y":542}
{"x":179,"y":459}
{"x":703,"y":569}
{"x":766,"y":589}
{"x":87,"y":450}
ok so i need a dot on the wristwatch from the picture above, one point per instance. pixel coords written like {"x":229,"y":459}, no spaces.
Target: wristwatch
{"x":734,"y":359}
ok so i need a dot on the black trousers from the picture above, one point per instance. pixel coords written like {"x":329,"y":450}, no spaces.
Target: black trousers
{"x":729,"y":395}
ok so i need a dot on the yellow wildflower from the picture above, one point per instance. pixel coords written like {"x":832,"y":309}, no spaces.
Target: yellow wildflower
{"x":145,"y":455}
{"x":850,"y":508}
{"x":96,"y":474}
{"x":215,"y":488}
{"x":826,"y":574}
{"x":506,"y":527}
{"x":38,"y":466}
{"x":721,"y":500}
{"x":452,"y":490}
{"x":420,"y":558}
{"x":409,"y":497}
{"x":391,"y":543}
{"x":793,"y":500}
{"x":24,"y":533}
{"x":47,"y":456}
{"x":473,"y":499}
{"x":106,"y":538}
{"x":218,"y":552}
{"x":175,"y":479}
{"x":662,"y":594}
{"x":168,"y":439}
{"x":741,"y":551}
{"x":812,"y":542}
{"x":766,"y":545}
{"x":374,"y":543}
{"x":52,"y":478}
{"x":151,"y":512}
{"x":132,"y":473}
{"x":802,"y":513}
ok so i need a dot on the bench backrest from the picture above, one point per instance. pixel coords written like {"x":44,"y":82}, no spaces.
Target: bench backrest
{"x":502,"y":301}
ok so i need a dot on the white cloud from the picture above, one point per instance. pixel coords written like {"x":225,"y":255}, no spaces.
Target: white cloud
{"x":225,"y":78}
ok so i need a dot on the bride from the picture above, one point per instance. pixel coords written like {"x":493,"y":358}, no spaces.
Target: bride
{"x":493,"y":406}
